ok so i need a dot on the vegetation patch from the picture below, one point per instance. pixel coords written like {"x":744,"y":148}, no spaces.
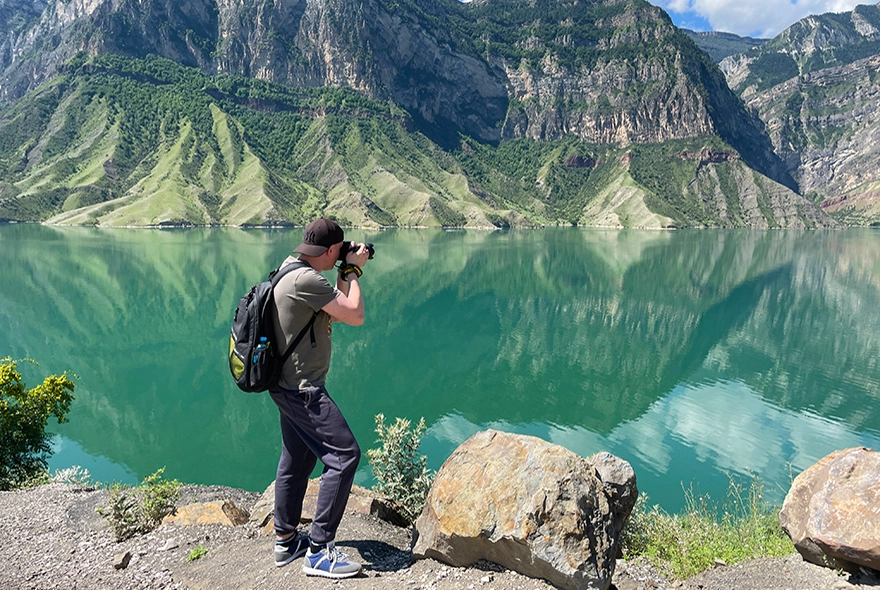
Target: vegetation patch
{"x":137,"y":510}
{"x":24,"y":413}
{"x":742,"y":527}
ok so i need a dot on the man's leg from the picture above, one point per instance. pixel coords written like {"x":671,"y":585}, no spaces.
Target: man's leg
{"x":294,"y":466}
{"x":338,"y":450}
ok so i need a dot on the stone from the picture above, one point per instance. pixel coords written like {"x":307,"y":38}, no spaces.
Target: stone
{"x":361,"y":500}
{"x":528,"y":505}
{"x":832,"y":511}
{"x":225,"y":513}
{"x":121,"y":560}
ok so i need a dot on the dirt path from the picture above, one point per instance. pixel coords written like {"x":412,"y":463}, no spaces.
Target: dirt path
{"x":52,"y":538}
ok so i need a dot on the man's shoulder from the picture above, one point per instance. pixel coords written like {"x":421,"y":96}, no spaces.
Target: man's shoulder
{"x":302,"y":277}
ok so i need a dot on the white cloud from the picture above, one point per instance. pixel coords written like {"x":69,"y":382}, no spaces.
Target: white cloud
{"x":756,"y":19}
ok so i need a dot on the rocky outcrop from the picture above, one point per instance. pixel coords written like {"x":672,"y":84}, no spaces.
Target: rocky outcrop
{"x":816,"y":89}
{"x":831,"y":511}
{"x":528,"y":505}
{"x":224,"y":513}
{"x":826,"y":127}
{"x":613,"y":72}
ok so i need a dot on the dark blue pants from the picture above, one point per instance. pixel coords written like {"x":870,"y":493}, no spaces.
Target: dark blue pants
{"x":312,"y":427}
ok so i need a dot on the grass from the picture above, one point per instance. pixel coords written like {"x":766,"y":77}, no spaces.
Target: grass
{"x":197,"y":553}
{"x":742,"y":527}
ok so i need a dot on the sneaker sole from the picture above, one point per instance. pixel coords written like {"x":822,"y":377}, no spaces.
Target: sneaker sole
{"x":309,"y":571}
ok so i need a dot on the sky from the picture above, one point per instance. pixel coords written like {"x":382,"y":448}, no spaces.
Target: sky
{"x":749,"y":18}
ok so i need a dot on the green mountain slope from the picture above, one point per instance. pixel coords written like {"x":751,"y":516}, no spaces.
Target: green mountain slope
{"x":126,"y":142}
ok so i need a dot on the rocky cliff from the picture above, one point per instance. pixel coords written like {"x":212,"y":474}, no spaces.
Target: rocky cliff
{"x":604,"y":72}
{"x":816,"y":87}
{"x":564,"y":86}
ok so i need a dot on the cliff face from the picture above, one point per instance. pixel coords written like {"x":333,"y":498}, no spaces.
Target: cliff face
{"x":817,"y":89}
{"x":385,"y":54}
{"x":615,"y":71}
{"x":555,"y":92}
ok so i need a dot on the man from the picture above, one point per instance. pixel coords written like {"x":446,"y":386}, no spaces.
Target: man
{"x":312,"y":427}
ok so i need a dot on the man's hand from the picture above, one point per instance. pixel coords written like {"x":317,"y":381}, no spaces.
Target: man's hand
{"x":359,"y":256}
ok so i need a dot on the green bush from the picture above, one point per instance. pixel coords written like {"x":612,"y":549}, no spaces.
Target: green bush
{"x":681,"y":545}
{"x":137,"y":510}
{"x":24,"y":413}
{"x":399,"y":473}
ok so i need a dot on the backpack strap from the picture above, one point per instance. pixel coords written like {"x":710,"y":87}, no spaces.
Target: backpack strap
{"x":275,"y":276}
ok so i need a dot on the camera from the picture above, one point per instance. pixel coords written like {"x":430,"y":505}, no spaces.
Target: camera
{"x":348,"y":246}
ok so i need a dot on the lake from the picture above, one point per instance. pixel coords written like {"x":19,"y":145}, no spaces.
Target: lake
{"x":696,"y":355}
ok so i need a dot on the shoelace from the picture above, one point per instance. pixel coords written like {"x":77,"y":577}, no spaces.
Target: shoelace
{"x":334,"y":554}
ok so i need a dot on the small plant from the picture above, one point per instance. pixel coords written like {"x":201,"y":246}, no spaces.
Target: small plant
{"x":682,"y":545}
{"x":197,"y":553}
{"x":75,"y":475}
{"x":399,"y":472}
{"x":137,"y":510}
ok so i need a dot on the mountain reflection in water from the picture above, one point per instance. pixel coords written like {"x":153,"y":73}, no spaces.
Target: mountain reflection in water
{"x":696,"y":355}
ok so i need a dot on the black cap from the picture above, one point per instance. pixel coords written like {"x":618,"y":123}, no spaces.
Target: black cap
{"x":320,"y":235}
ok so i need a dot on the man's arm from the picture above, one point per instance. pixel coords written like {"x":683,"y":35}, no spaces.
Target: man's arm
{"x":348,"y":307}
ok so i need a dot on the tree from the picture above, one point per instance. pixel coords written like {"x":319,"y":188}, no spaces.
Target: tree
{"x":24,"y":413}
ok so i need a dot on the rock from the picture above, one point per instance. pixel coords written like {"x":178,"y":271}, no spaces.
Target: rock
{"x":225,"y":513}
{"x":530,"y":506}
{"x":619,"y":483}
{"x":121,"y":560}
{"x":831,"y":511}
{"x":361,"y":500}
{"x":169,"y":545}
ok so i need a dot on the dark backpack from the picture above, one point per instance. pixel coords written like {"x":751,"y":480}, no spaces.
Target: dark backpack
{"x":254,"y":359}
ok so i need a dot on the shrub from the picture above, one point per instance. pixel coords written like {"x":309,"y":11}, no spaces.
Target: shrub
{"x":24,"y":413}
{"x":137,"y":510}
{"x":399,"y":473}
{"x":682,"y":545}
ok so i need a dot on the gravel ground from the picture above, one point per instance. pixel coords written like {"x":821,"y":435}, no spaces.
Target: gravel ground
{"x":52,"y":537}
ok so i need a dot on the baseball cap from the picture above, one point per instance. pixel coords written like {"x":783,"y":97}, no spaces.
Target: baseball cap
{"x":320,"y":235}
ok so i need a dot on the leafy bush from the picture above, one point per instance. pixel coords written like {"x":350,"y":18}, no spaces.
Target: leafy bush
{"x":24,"y":413}
{"x":399,"y":473}
{"x":682,"y":545}
{"x":137,"y":510}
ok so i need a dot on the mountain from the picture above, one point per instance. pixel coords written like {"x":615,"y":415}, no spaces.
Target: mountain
{"x":720,"y":45}
{"x":817,"y":88}
{"x":496,"y":112}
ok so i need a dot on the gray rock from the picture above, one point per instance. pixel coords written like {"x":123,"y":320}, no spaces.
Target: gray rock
{"x":121,"y":560}
{"x":528,"y":505}
{"x":831,"y":510}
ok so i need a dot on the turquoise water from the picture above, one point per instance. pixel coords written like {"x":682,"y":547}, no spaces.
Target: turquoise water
{"x":696,"y":355}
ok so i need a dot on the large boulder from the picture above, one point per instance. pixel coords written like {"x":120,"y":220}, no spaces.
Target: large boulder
{"x":832,"y":511}
{"x":528,"y":505}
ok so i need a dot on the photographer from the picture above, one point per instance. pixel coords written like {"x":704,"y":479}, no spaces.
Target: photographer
{"x":312,"y":427}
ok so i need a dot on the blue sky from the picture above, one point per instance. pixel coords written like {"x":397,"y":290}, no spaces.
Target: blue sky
{"x":764,"y":18}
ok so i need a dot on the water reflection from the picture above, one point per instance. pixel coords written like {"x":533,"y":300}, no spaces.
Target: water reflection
{"x":658,"y":346}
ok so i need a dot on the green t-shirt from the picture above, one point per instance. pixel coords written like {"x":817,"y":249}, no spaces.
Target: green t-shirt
{"x":298,"y":295}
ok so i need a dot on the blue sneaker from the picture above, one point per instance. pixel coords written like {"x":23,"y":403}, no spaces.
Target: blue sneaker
{"x":329,"y":562}
{"x":288,"y":550}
